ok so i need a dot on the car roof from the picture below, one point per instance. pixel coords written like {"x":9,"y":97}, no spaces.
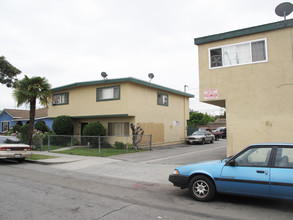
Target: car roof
{"x":4,"y":138}
{"x":272,"y":144}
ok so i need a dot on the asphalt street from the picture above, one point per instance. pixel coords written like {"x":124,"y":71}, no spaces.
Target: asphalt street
{"x":130,"y":186}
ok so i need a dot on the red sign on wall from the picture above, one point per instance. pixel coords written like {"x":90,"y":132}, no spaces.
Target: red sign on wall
{"x":211,"y":94}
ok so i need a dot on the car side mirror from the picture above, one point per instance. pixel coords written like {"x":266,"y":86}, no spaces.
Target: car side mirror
{"x":231,"y":163}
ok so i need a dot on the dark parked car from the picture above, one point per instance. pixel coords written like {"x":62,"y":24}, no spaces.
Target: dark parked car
{"x":223,"y":131}
{"x":260,"y":170}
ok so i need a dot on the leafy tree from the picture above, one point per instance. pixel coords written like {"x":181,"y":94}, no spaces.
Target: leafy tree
{"x":8,"y":73}
{"x":28,"y":91}
{"x":197,"y":118}
{"x":221,"y":116}
{"x":63,"y":125}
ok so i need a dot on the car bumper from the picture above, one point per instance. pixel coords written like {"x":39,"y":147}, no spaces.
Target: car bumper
{"x":15,"y":154}
{"x":193,"y":141}
{"x":179,"y":180}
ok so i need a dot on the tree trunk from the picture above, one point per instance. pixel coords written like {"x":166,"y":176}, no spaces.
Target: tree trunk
{"x":32,"y":121}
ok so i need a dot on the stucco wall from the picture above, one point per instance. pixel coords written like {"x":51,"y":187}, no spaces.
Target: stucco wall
{"x":257,"y":96}
{"x":138,"y":103}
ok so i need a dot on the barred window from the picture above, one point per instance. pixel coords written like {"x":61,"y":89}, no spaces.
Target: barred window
{"x":162,"y":99}
{"x":238,"y":54}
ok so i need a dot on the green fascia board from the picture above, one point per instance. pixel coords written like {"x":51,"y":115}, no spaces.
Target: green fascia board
{"x":245,"y":31}
{"x":102,"y":116}
{"x":129,"y":79}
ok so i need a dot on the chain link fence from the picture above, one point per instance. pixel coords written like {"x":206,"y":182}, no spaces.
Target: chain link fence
{"x":91,"y":145}
{"x":190,"y":130}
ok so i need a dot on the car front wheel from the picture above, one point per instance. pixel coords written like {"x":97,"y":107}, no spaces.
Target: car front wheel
{"x":202,"y":188}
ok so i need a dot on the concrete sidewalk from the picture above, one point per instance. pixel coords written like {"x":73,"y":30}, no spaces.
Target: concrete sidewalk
{"x":109,"y":167}
{"x":60,"y":158}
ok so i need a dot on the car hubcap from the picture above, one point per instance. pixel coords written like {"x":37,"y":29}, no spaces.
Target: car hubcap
{"x":201,"y":188}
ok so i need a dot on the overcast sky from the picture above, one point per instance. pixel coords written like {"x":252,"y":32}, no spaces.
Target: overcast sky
{"x":70,"y":41}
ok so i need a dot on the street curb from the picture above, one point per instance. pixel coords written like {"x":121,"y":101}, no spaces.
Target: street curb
{"x":49,"y":162}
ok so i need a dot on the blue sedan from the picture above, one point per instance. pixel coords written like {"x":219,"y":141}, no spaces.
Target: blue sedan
{"x":260,"y":170}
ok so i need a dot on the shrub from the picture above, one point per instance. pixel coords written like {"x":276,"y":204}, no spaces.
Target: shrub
{"x":106,"y":144}
{"x":63,"y":125}
{"x":41,"y":126}
{"x":16,"y":127}
{"x":24,"y":133}
{"x":119,"y":145}
{"x":94,"y":129}
{"x":75,"y":142}
{"x":37,"y":139}
{"x":45,"y":138}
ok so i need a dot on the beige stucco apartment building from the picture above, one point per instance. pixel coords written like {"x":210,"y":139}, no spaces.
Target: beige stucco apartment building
{"x":250,"y":73}
{"x":116,"y":103}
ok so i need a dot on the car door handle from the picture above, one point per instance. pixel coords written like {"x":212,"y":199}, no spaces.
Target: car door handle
{"x":262,"y":171}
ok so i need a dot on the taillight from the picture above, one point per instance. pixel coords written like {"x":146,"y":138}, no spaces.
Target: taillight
{"x":15,"y":149}
{"x":5,"y":149}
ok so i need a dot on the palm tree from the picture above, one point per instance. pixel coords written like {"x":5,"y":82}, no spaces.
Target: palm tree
{"x":27,"y":91}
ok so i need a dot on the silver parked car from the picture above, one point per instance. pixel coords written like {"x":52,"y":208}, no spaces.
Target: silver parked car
{"x":200,"y":137}
{"x":12,"y":148}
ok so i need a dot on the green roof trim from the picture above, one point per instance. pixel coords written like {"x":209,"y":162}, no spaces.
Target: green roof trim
{"x":102,"y":116}
{"x":120,"y":80}
{"x":245,"y":31}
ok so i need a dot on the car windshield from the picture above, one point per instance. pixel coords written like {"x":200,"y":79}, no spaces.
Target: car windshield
{"x":9,"y":140}
{"x":199,"y":133}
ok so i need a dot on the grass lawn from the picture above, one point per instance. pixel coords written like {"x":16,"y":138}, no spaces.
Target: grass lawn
{"x":45,"y":148}
{"x":40,"y":157}
{"x":105,"y":152}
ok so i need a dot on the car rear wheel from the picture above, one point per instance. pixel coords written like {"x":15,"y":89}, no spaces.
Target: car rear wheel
{"x":202,"y":188}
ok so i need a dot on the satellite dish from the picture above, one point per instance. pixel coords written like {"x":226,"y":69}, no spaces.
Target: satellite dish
{"x":151,"y":76}
{"x":284,"y":9}
{"x":104,"y":75}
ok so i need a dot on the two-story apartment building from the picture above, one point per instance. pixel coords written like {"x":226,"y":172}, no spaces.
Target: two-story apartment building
{"x":116,"y":103}
{"x":250,"y":73}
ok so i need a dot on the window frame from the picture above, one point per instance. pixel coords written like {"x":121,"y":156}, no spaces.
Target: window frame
{"x":279,"y":166}
{"x":245,"y":152}
{"x":59,"y":94}
{"x":109,"y":99}
{"x":124,"y":130}
{"x":238,"y":44}
{"x":162,"y":94}
{"x":8,"y":127}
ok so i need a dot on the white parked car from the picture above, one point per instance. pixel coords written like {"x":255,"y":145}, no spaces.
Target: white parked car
{"x":12,"y":148}
{"x":200,"y":137}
